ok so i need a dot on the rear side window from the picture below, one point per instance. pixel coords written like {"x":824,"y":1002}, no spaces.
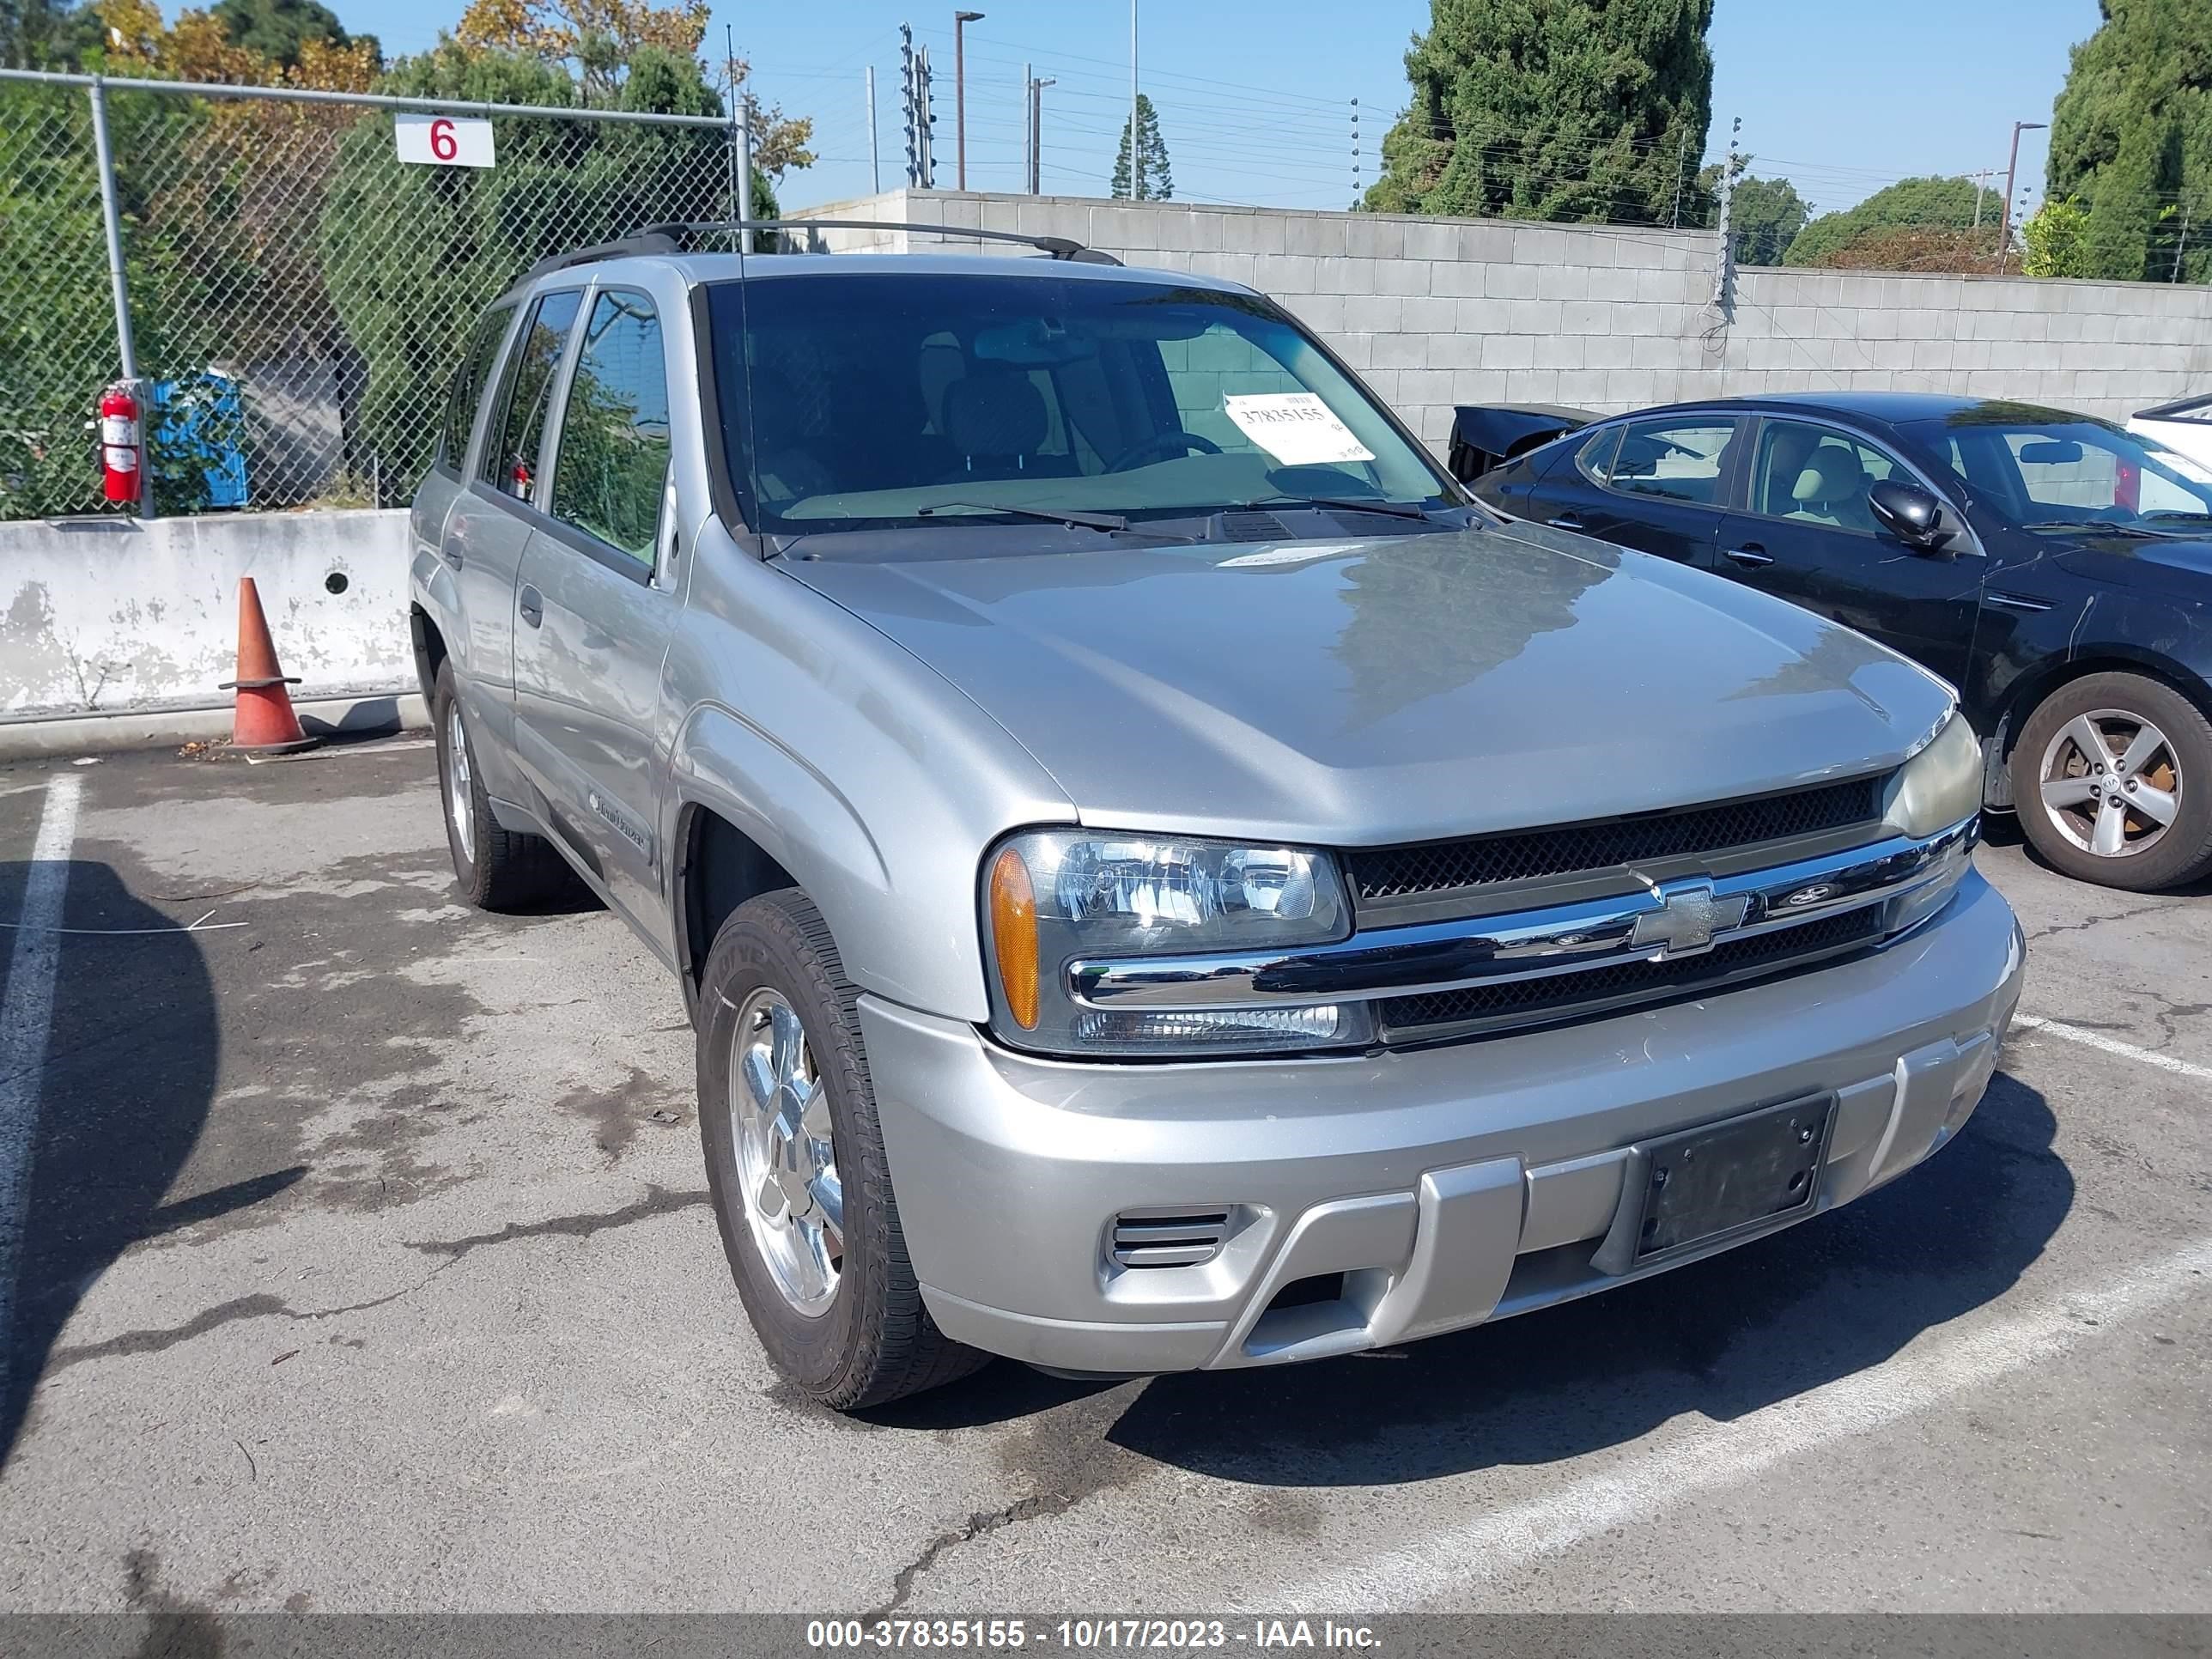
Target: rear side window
{"x":510,"y":460}
{"x":1594,"y":455}
{"x":469,"y":384}
{"x":613,"y":460}
{"x":1683,"y":460}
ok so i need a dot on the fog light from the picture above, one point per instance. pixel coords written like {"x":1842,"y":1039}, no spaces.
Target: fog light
{"x":1289,"y":1027}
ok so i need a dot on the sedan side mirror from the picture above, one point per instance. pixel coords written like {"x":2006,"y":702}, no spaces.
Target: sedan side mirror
{"x":1911,"y":513}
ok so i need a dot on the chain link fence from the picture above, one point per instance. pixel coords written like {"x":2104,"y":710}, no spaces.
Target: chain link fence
{"x":299,"y":298}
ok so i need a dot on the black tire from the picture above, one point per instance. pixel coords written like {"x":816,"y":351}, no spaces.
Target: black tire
{"x":876,"y":1341}
{"x":2179,"y":854}
{"x":495,"y":869}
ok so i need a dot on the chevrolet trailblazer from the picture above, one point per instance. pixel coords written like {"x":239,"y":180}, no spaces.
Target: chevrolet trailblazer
{"x":1162,"y":879}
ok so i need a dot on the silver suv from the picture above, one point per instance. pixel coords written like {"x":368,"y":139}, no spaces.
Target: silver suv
{"x":1161,"y":880}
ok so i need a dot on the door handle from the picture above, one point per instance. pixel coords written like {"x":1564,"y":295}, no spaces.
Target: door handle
{"x":451,"y":555}
{"x":1567,"y":521}
{"x":532,"y":604}
{"x":1751,"y":553}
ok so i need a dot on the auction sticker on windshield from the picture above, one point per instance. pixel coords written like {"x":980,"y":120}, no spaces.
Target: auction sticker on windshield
{"x":1295,"y":428}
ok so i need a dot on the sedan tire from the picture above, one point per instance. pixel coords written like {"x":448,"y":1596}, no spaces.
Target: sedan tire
{"x":2112,"y":778}
{"x":795,"y":1163}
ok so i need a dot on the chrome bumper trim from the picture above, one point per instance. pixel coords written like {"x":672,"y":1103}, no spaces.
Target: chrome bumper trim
{"x":1672,"y":920}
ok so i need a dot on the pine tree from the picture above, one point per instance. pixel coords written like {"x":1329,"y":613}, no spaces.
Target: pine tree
{"x":2131,"y":136}
{"x":1552,"y":109}
{"x":1156,"y":182}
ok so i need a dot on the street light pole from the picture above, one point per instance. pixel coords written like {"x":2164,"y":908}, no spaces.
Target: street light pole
{"x":2004,"y":236}
{"x":960,"y":22}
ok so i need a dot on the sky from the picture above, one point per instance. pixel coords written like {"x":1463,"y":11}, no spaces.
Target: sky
{"x":1256,"y":96}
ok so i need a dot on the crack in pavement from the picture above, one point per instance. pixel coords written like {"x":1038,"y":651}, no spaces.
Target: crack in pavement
{"x":1057,"y":1503}
{"x":657,"y":1201}
{"x":260,"y":1305}
{"x":2094,"y":921}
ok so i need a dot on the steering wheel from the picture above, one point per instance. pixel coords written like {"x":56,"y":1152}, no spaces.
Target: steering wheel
{"x":1176,"y":442}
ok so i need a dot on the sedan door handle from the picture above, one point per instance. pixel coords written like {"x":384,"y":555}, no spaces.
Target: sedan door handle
{"x":451,"y":556}
{"x":1751,"y":553}
{"x":532,"y":604}
{"x":1567,"y":521}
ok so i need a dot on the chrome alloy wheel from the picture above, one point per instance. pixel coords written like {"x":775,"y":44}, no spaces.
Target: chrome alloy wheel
{"x":460,"y":806}
{"x":786,"y":1161}
{"x":2112,"y":783}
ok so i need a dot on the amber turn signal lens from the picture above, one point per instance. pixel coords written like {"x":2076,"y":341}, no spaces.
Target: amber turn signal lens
{"x":1014,"y":936}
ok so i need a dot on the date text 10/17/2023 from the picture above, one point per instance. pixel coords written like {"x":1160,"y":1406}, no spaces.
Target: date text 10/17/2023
{"x":1085,"y":1635}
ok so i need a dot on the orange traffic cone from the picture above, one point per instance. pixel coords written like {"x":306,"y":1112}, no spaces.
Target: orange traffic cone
{"x":264,"y":722}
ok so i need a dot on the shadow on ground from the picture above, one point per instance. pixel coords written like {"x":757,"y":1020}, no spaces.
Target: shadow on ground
{"x":1719,"y":1339}
{"x":129,"y":1073}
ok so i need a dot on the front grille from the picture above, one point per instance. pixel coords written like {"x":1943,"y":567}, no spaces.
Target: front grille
{"x":1387,"y":875}
{"x":1563,"y":996}
{"x":1169,"y":1238}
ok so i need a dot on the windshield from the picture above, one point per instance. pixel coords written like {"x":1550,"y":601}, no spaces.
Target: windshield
{"x":2053,"y":472}
{"x":888,"y":397}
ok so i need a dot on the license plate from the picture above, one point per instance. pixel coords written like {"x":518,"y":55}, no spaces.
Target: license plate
{"x":1726,"y":1177}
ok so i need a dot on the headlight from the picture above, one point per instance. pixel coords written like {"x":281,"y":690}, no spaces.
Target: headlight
{"x":1942,"y":784}
{"x":1051,"y":897}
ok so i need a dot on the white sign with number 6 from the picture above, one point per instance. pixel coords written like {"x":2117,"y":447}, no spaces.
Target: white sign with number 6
{"x":452,"y":141}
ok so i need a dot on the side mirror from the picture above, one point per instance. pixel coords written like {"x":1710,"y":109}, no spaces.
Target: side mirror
{"x":1910,"y":513}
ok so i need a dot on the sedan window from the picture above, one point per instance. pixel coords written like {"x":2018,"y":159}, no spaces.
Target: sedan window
{"x":1682,"y":460}
{"x":1817,"y":475}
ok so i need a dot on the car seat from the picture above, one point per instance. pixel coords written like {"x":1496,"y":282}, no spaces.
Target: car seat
{"x":1831,"y":489}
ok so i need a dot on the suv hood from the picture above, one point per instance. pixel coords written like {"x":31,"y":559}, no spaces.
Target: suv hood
{"x":1393,"y":689}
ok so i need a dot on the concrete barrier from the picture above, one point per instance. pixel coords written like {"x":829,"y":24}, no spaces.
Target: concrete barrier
{"x":109,"y":617}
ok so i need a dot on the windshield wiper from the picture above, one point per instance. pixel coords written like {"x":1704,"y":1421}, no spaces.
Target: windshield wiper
{"x":1074,"y":520}
{"x":1344,"y":504}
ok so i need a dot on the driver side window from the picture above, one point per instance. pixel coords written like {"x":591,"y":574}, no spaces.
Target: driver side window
{"x":1817,"y":475}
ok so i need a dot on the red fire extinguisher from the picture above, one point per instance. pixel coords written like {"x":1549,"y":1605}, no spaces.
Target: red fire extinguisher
{"x":119,"y":443}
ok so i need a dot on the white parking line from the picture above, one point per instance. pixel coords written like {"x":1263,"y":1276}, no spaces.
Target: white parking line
{"x":1940,"y":1363}
{"x":2098,"y":1040}
{"x":25,"y":1014}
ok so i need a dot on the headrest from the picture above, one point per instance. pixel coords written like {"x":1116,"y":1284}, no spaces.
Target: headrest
{"x":995,"y":411}
{"x":1832,"y":473}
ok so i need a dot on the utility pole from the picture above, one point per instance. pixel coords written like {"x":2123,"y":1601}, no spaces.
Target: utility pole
{"x":2012,"y":167}
{"x":1028,"y":127}
{"x":960,"y":22}
{"x":1981,"y":183}
{"x":875,"y":156}
{"x":1036,"y":132}
{"x":1136,"y":156}
{"x":2181,"y":246}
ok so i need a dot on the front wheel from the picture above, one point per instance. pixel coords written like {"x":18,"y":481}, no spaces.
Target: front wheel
{"x":795,"y":1162}
{"x":2112,"y":778}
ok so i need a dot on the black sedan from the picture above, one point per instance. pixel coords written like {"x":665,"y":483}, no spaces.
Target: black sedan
{"x":2056,"y":569}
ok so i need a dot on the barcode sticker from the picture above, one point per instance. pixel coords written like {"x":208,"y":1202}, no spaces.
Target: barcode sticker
{"x":1295,"y":428}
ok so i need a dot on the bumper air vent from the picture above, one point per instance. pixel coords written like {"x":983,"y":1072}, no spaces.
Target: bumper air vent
{"x":1169,"y":1238}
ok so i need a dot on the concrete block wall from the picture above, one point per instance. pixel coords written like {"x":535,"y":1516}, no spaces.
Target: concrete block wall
{"x":1437,"y":312}
{"x":114,"y":616}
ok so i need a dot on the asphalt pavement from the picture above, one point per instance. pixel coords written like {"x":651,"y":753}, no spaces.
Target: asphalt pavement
{"x":362,"y":1261}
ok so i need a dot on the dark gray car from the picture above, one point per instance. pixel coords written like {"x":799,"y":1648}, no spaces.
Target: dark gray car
{"x":1161,"y":880}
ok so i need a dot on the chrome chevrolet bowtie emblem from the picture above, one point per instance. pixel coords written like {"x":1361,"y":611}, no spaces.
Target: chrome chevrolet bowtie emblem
{"x":1687,"y":917}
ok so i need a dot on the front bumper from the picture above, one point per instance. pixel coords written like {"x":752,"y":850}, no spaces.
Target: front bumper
{"x":1449,"y":1185}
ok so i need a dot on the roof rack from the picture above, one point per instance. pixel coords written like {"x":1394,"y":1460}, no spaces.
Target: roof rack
{"x":682,"y":237}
